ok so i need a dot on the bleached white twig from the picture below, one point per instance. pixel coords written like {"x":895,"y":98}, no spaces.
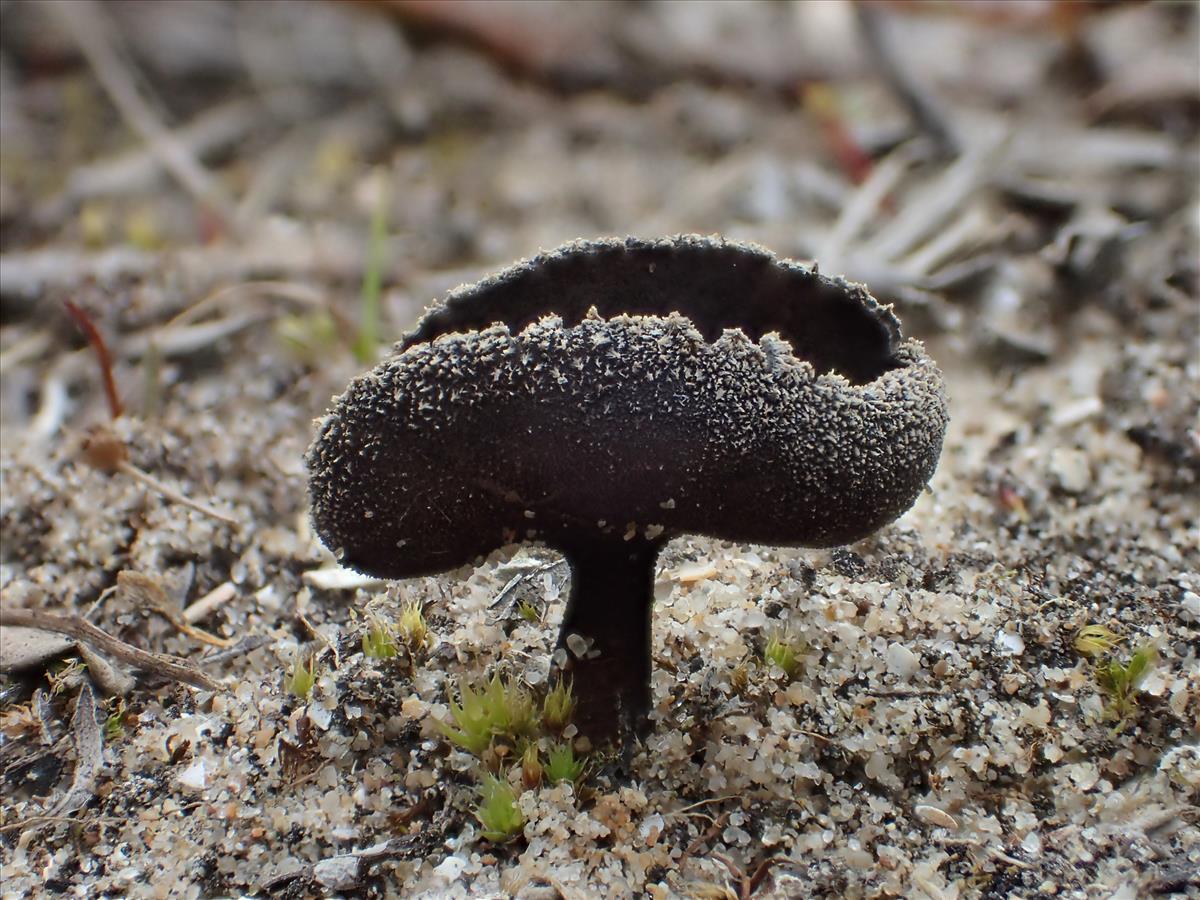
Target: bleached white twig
{"x":933,"y":204}
{"x":862,"y":206}
{"x":171,"y":494}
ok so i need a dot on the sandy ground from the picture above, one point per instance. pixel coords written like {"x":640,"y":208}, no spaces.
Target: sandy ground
{"x":945,"y":734}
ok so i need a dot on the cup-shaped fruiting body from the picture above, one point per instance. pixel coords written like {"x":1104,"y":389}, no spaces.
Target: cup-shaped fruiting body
{"x":611,"y":394}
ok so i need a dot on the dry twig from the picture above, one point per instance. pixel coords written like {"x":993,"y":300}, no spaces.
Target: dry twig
{"x":82,"y":630}
{"x":149,"y":593}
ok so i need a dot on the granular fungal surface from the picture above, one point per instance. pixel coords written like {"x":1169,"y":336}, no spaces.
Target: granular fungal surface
{"x":938,"y":710}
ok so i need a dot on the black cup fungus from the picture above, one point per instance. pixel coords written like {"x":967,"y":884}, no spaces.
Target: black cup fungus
{"x":609,"y":395}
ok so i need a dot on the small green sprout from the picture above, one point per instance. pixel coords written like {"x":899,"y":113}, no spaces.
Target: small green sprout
{"x":498,"y":811}
{"x":528,"y":611}
{"x":498,"y":709}
{"x":558,"y":706}
{"x":1121,"y":683}
{"x":366,"y":344}
{"x":379,"y":641}
{"x":531,"y":766}
{"x":308,"y":336}
{"x":114,"y":725}
{"x":63,"y":673}
{"x":1096,"y":640}
{"x":782,"y":654}
{"x":562,"y":765}
{"x":412,"y":627}
{"x":303,"y":676}
{"x":517,"y":711}
{"x":473,"y":717}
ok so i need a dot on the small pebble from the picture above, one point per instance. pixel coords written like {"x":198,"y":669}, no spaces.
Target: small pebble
{"x":195,"y":776}
{"x":1070,"y":469}
{"x":934,"y":816}
{"x":1010,"y":643}
{"x":1189,"y":606}
{"x":902,"y":662}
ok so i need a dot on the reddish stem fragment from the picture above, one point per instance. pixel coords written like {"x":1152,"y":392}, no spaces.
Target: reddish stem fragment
{"x":84,"y":323}
{"x":822,"y":103}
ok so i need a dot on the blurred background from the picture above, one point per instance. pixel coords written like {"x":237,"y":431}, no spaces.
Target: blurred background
{"x":991,"y":166}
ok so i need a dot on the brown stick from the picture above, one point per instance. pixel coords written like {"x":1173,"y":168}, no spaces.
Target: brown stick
{"x":82,"y":630}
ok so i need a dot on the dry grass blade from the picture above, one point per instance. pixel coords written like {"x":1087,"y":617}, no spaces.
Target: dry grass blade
{"x":171,"y":494}
{"x":970,"y":229}
{"x":929,"y":207}
{"x":862,"y":206}
{"x":236,"y":295}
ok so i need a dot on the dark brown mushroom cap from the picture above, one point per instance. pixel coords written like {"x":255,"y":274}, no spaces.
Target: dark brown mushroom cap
{"x":629,"y":387}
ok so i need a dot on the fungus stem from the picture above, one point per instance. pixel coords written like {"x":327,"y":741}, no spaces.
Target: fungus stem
{"x":608,"y":619}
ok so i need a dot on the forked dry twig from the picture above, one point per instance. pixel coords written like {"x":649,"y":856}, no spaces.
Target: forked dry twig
{"x":82,"y":630}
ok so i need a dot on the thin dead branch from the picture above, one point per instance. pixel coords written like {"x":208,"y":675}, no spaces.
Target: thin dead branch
{"x":82,"y":630}
{"x":246,"y":645}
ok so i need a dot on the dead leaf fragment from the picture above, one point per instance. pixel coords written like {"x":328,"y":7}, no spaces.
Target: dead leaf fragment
{"x":89,"y":754}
